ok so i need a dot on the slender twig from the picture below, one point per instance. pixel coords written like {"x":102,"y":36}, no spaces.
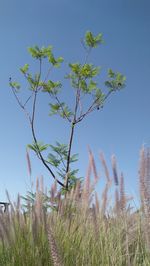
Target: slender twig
{"x":87,"y":55}
{"x":62,"y":109}
{"x":17,"y":98}
{"x":21,"y":105}
{"x":49,"y":70}
{"x":46,"y":77}
{"x":26,"y":77}
{"x":28,"y":99}
{"x":92,"y":107}
{"x":88,"y":50}
{"x":81,"y":108}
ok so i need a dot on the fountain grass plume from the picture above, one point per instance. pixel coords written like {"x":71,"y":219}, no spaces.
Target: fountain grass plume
{"x":76,"y":232}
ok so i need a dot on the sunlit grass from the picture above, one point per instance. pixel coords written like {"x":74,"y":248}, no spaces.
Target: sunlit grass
{"x":83,"y":229}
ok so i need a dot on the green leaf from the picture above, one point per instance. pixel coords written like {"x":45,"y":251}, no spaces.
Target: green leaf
{"x":60,"y":59}
{"x":24,"y":69}
{"x":66,"y":112}
{"x":92,"y":41}
{"x":34,"y":51}
{"x":55,"y":62}
{"x":86,"y":70}
{"x":75,"y":68}
{"x":111,"y":74}
{"x":32,"y":147}
{"x":62,"y":109}
{"x":51,"y":87}
{"x":92,"y":86}
{"x":116,"y":80}
{"x":46,"y":51}
{"x":37,"y":77}
{"x":83,"y":85}
{"x":53,"y":160}
{"x":38,"y":53}
{"x":95,"y":71}
{"x":99,"y":39}
{"x":15,"y":85}
{"x":54,"y":108}
{"x":73,"y":173}
{"x":32,"y":81}
{"x":99,"y":95}
{"x":60,"y":149}
{"x":52,"y":59}
{"x":38,"y":147}
{"x":74,"y":81}
{"x":74,"y":158}
{"x":89,"y":71}
{"x":89,"y":39}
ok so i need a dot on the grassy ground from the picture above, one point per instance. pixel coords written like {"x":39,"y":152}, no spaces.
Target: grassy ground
{"x":84,"y":230}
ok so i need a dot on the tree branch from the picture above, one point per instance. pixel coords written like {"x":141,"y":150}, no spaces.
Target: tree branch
{"x":92,"y":108}
{"x":21,"y":105}
{"x":31,"y":120}
{"x":62,"y":109}
{"x":33,"y":132}
{"x":72,"y":134}
{"x":28,"y":99}
{"x":69,"y":153}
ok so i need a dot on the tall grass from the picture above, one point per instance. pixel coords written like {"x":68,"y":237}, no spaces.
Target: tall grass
{"x":85,"y":229}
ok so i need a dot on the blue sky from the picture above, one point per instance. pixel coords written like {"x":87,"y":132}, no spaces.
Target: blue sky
{"x":123,"y":124}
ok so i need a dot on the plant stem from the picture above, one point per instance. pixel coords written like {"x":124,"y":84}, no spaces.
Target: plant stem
{"x":69,"y":153}
{"x":33,"y":131}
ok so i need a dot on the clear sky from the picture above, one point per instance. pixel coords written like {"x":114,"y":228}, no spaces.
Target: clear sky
{"x":123,"y":124}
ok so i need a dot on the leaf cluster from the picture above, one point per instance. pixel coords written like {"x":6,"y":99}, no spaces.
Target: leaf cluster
{"x":45,"y":52}
{"x":116,"y":80}
{"x":57,"y":158}
{"x":60,"y":108}
{"x":38,"y":147}
{"x":14,"y":85}
{"x":92,"y":41}
{"x":82,"y":78}
{"x":50,"y":86}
